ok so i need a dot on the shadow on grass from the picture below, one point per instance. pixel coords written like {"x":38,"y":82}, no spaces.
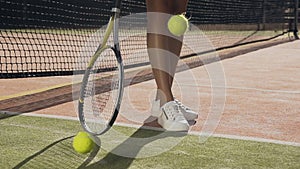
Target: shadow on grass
{"x":122,"y":156}
{"x":58,"y":154}
{"x":6,"y":114}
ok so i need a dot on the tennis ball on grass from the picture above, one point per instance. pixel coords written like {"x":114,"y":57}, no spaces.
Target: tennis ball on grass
{"x":178,"y":24}
{"x":82,"y":143}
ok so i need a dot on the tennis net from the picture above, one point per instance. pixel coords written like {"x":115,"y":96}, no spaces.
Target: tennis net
{"x":46,"y":37}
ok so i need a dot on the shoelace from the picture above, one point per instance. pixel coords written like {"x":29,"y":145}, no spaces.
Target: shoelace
{"x":181,"y":105}
{"x":175,"y":113}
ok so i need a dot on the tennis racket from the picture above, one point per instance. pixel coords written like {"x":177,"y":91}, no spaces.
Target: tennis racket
{"x":102,"y":85}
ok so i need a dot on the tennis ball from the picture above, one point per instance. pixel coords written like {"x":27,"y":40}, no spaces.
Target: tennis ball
{"x":82,"y":143}
{"x":178,"y":24}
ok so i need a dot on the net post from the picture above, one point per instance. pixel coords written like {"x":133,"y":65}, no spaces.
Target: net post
{"x":296,"y":11}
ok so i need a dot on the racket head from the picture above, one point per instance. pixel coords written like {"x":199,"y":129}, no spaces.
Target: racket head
{"x":101,"y":92}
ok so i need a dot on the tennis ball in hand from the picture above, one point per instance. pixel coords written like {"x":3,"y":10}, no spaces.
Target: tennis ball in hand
{"x":178,"y":24}
{"x":82,"y":143}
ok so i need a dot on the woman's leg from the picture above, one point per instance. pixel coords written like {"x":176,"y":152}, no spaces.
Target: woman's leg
{"x":163,"y":50}
{"x":175,"y":45}
{"x":158,"y":46}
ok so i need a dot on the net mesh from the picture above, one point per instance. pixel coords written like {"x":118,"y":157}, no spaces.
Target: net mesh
{"x":46,"y":37}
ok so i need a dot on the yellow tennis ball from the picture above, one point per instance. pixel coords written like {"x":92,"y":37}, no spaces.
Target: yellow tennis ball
{"x":178,"y":24}
{"x":82,"y":143}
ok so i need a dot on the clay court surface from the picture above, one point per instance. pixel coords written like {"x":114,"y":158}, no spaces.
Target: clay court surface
{"x":258,"y":93}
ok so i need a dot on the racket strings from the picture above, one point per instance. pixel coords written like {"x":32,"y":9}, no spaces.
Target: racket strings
{"x":101,"y":92}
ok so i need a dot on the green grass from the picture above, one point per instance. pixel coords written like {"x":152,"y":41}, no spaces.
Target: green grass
{"x":34,"y":142}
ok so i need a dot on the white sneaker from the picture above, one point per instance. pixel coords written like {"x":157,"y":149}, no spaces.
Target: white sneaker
{"x":171,"y":118}
{"x":186,"y":111}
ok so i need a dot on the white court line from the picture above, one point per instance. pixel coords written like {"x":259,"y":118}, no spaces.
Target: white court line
{"x":235,"y":137}
{"x":195,"y":133}
{"x":51,"y":116}
{"x":247,"y":138}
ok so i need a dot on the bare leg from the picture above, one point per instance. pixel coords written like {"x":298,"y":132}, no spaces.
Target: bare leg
{"x":175,"y":45}
{"x":163,"y":50}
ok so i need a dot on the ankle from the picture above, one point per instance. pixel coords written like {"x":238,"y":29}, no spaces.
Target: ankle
{"x":163,"y":98}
